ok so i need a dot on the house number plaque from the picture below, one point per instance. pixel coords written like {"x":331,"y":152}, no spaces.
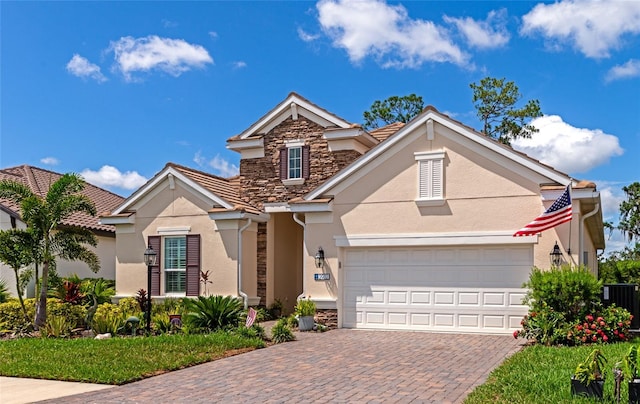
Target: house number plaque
{"x":321,"y":277}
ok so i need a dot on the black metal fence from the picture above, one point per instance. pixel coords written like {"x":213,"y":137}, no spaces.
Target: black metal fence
{"x":623,"y":295}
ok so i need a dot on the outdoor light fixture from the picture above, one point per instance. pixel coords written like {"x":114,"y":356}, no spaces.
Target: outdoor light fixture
{"x":150,"y":257}
{"x":555,"y":256}
{"x":320,"y":258}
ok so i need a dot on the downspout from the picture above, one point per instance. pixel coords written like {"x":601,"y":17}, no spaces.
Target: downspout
{"x":244,"y":296}
{"x":304,"y":238}
{"x":584,"y":218}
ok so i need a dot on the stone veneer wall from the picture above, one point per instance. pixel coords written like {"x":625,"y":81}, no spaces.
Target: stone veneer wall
{"x":260,"y":178}
{"x":328,"y":317}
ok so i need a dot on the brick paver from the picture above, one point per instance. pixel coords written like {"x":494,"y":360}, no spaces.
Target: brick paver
{"x":340,"y":366}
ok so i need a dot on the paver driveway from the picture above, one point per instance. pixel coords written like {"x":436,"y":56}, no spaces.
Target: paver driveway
{"x":337,"y":366}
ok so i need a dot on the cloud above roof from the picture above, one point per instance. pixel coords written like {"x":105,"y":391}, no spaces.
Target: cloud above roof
{"x":172,"y":56}
{"x":569,"y":149}
{"x":593,"y":27}
{"x":487,"y":34}
{"x":385,"y":32}
{"x":109,"y":176}
{"x":626,"y":70}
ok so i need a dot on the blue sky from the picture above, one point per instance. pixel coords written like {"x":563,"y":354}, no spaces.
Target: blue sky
{"x":115,"y":90}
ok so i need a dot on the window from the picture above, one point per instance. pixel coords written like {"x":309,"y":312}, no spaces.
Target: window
{"x":430,"y":178}
{"x":175,"y":264}
{"x":294,"y":162}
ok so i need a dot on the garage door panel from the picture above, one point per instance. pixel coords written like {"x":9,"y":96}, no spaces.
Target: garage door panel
{"x":444,"y":288}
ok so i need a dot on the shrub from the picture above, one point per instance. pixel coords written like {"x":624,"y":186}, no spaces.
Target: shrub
{"x":608,"y":325}
{"x":129,"y":306}
{"x":281,"y":332}
{"x":109,"y":318}
{"x":75,"y":314}
{"x":12,"y":317}
{"x":101,"y":289}
{"x":255,"y":331}
{"x":212,"y":312}
{"x":4,"y":291}
{"x":574,"y":292}
{"x":546,"y":326}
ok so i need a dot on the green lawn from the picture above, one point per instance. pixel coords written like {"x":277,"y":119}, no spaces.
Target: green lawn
{"x":541,"y":374}
{"x":115,"y":360}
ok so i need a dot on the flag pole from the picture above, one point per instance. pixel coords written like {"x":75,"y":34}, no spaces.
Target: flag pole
{"x":570,"y":188}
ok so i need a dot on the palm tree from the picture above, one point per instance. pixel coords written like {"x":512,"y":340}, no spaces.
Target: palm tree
{"x":16,"y":250}
{"x":45,"y":217}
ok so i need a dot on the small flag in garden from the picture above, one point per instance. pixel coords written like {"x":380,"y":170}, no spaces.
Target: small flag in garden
{"x":251,"y":317}
{"x":559,"y":212}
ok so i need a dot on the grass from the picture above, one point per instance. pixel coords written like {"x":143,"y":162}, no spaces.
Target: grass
{"x":116,"y":360}
{"x":540,"y":374}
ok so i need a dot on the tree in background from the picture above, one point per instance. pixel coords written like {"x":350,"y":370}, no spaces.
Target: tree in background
{"x":393,"y":109}
{"x":45,"y":219}
{"x":16,"y":251}
{"x":624,"y":266}
{"x":495,"y":100}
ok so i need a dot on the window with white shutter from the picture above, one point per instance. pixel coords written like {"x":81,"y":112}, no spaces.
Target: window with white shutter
{"x":430,"y":178}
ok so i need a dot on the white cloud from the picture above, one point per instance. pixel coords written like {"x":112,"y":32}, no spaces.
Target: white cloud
{"x":168,"y":23}
{"x":109,"y":176}
{"x":81,"y":67}
{"x":239,"y":64}
{"x":50,"y":161}
{"x":172,"y":56}
{"x":594,"y":27}
{"x":213,"y":34}
{"x":611,"y":195}
{"x":487,"y":34}
{"x":305,"y":36}
{"x":386,"y":33}
{"x":221,"y":166}
{"x":569,"y":149}
{"x":625,"y":71}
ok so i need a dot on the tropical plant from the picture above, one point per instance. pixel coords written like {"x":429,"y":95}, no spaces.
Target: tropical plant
{"x":631,"y":362}
{"x":209,"y":313}
{"x":45,"y":216}
{"x":57,"y":326}
{"x":4,"y":291}
{"x":607,"y":325}
{"x":275,"y":309}
{"x":393,"y":109}
{"x":16,"y":247}
{"x":141,"y":298}
{"x":305,"y":308}
{"x":281,"y":332}
{"x":495,"y":100}
{"x":109,"y":318}
{"x":592,"y":368}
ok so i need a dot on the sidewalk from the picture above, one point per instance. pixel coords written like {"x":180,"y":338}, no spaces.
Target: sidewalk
{"x":15,"y":390}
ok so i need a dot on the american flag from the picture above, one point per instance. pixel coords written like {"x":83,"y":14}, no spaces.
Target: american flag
{"x":251,"y":317}
{"x":559,"y":212}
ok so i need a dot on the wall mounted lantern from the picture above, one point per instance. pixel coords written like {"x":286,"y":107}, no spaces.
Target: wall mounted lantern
{"x":320,"y":258}
{"x":150,"y":257}
{"x":555,"y":256}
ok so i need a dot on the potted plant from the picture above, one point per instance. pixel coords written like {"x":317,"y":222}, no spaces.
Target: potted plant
{"x":588,"y":379}
{"x":276,"y":308}
{"x":631,"y":370}
{"x":305,"y":310}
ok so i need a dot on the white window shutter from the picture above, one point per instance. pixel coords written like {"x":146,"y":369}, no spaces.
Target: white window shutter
{"x":424,"y":178}
{"x":436,"y":179}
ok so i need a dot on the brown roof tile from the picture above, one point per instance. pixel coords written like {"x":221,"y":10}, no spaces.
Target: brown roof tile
{"x":384,"y":132}
{"x":39,"y":181}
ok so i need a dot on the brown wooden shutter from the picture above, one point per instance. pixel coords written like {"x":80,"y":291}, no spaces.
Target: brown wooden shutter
{"x":193,"y":265}
{"x":284,"y":164}
{"x":305,"y":162}
{"x":155,"y":242}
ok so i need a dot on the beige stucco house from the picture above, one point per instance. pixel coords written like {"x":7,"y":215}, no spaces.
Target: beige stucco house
{"x":415,"y":222}
{"x":39,"y":181}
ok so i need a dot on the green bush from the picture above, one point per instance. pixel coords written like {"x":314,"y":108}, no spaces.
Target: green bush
{"x":574,"y":292}
{"x":305,"y":307}
{"x":129,"y":306}
{"x":4,"y":291}
{"x":255,"y":331}
{"x":12,"y":317}
{"x":212,"y":312}
{"x":109,"y":318}
{"x":281,"y":332}
{"x":617,"y":271}
{"x":74,"y":313}
{"x":545,"y":326}
{"x":57,"y":326}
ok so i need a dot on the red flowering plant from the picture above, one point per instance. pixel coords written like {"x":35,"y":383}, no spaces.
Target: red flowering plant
{"x":545,"y":326}
{"x":610,"y":324}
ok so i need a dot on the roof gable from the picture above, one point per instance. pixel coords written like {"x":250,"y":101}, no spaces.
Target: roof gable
{"x":292,"y":106}
{"x":425,"y":125}
{"x":216,"y":190}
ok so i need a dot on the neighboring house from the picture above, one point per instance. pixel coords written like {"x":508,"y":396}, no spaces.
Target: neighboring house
{"x":415,"y":222}
{"x":39,"y":181}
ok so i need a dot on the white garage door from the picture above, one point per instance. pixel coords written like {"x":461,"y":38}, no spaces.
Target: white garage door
{"x":462,"y":289}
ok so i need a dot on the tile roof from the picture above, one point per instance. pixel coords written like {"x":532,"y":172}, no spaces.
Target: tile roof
{"x":384,"y":132}
{"x":39,"y":181}
{"x":226,"y":188}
